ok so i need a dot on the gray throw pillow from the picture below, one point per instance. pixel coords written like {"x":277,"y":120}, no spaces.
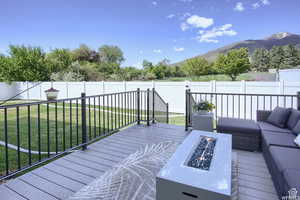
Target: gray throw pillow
{"x":296,"y":129}
{"x":279,"y":116}
{"x":297,"y":140}
{"x":293,"y":119}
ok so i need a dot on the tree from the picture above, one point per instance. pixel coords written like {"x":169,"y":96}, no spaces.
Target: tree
{"x":90,"y":72}
{"x":6,"y":69}
{"x":26,"y":64}
{"x":110,"y":58}
{"x":276,"y":57}
{"x":291,"y":57}
{"x":196,"y":67}
{"x":176,"y":71}
{"x":234,"y":62}
{"x":60,"y":59}
{"x":127,"y":74}
{"x":85,"y":53}
{"x":107,"y":69}
{"x":261,"y":60}
{"x":147,"y":66}
{"x":111,"y":54}
{"x":150,"y":76}
{"x":131,"y":73}
{"x":161,"y":70}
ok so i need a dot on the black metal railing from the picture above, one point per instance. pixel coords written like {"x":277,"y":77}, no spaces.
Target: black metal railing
{"x":236,"y":105}
{"x":36,"y":132}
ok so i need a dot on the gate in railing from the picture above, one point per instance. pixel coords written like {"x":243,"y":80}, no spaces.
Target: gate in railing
{"x":236,"y":105}
{"x":36,"y":132}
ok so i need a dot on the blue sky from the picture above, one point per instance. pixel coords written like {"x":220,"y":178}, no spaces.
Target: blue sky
{"x":144,"y":29}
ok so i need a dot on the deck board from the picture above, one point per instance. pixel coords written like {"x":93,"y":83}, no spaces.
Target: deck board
{"x":28,"y":191}
{"x":8,"y":194}
{"x":82,"y":178}
{"x":63,"y":181}
{"x":62,"y":177}
{"x":254,"y":178}
{"x":78,"y":168}
{"x":43,"y":184}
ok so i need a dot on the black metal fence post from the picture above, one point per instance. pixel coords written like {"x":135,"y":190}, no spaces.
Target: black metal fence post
{"x":167,"y":113}
{"x":148,"y":107}
{"x":83,"y":120}
{"x":153,"y":104}
{"x":298,"y":100}
{"x":138,"y":106}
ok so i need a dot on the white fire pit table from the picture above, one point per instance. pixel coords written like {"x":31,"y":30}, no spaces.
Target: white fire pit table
{"x":199,"y":169}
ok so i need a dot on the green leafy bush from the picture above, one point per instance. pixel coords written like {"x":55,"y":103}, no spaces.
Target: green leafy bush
{"x":204,"y":105}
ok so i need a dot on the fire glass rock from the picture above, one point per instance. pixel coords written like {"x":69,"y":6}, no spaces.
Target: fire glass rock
{"x":203,"y":154}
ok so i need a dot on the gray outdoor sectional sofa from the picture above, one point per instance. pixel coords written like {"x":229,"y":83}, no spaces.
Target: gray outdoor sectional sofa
{"x":274,"y":133}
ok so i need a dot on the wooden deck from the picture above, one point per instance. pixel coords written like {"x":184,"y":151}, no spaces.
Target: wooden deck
{"x":63,"y":177}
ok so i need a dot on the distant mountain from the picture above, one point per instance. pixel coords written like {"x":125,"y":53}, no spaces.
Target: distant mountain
{"x":278,"y":39}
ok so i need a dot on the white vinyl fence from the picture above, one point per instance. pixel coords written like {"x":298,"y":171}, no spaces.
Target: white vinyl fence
{"x":171,"y":92}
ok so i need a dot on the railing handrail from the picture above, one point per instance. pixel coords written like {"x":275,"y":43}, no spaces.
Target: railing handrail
{"x":61,"y":100}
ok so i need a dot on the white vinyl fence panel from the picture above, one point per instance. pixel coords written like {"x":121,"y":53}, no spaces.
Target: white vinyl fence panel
{"x":171,"y":92}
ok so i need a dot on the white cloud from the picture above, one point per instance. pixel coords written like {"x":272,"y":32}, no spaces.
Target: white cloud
{"x":170,"y":16}
{"x":239,"y":7}
{"x":261,"y":3}
{"x":141,"y":52}
{"x":255,"y":5}
{"x":199,"y":22}
{"x":265,"y":2}
{"x":178,"y":49}
{"x":154,"y":3}
{"x":184,"y":26}
{"x":210,"y":36}
{"x":158,"y":51}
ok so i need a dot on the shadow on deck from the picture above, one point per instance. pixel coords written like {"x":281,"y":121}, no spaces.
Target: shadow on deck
{"x":65,"y":176}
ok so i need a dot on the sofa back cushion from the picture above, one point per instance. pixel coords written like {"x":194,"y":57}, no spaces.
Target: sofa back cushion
{"x":279,"y":116}
{"x":296,"y":129}
{"x":293,"y":119}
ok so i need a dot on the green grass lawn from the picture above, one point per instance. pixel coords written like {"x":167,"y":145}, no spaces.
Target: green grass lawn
{"x":177,"y":120}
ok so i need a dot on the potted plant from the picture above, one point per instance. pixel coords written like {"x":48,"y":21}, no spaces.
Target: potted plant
{"x":202,"y":118}
{"x":203,"y":107}
{"x":51,"y":94}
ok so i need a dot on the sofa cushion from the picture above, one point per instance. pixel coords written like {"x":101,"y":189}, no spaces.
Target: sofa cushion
{"x":279,"y":116}
{"x":291,"y":180}
{"x":233,"y":125}
{"x":293,"y":119}
{"x":265,"y":126}
{"x":285,"y":140}
{"x":296,"y":129}
{"x":285,"y":158}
